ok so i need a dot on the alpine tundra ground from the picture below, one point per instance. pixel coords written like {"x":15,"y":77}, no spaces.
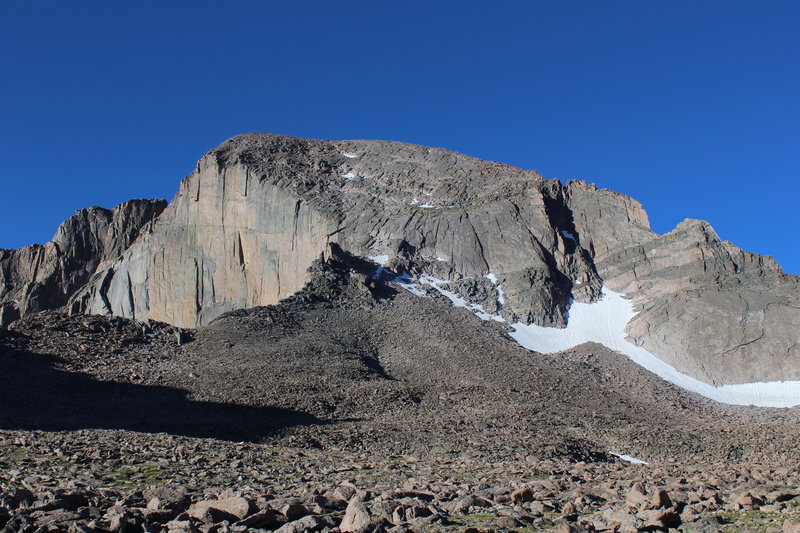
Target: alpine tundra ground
{"x":359,"y":406}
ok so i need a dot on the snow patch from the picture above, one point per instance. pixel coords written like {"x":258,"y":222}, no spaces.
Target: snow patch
{"x":604,"y":322}
{"x":569,"y":236}
{"x":414,"y":202}
{"x":501,"y":297}
{"x":349,"y":155}
{"x":628,"y":458}
{"x":457,"y":300}
{"x":427,"y":206}
{"x":407,"y":282}
{"x":380,"y":259}
{"x":348,"y":176}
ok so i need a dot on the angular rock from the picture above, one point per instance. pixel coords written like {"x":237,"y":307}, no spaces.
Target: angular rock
{"x":257,"y":212}
{"x":462,"y":505}
{"x":791,"y":526}
{"x":522,"y":495}
{"x":39,"y":277}
{"x":637,"y":498}
{"x":265,"y":519}
{"x":294,"y":511}
{"x":662,"y":518}
{"x":356,"y":517}
{"x":659,"y":498}
{"x":215,"y":511}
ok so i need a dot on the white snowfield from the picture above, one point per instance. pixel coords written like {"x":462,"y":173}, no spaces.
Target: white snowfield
{"x":604,"y":322}
{"x":381,"y":260}
{"x":349,"y":155}
{"x":628,"y":458}
{"x":568,"y":235}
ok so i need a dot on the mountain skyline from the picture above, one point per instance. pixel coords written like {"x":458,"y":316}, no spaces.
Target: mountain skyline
{"x":691,"y":109}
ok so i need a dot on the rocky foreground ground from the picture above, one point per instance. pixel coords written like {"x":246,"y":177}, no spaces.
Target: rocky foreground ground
{"x":102,"y":480}
{"x":356,"y":406}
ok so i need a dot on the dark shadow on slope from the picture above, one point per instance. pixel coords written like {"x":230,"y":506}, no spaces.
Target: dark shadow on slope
{"x":37,"y":396}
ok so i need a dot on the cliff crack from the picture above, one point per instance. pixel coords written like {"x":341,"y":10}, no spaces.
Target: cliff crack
{"x":240,"y":249}
{"x":477,"y":241}
{"x":130,"y":297}
{"x":294,"y":233}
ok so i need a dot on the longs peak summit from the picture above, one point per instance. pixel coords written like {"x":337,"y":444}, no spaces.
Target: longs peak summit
{"x":258,"y":210}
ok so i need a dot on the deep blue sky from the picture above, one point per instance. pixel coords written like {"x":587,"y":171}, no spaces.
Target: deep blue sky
{"x":692,"y":107}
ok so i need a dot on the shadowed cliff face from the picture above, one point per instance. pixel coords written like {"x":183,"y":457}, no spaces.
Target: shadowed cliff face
{"x":258,"y":210}
{"x":38,"y":277}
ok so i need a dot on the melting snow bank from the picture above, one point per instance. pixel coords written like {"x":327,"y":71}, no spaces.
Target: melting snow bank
{"x":457,"y":300}
{"x":628,"y":458}
{"x":604,"y":322}
{"x":381,"y":260}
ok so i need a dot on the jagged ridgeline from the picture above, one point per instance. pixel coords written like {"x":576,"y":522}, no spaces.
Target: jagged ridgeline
{"x":246,"y":225}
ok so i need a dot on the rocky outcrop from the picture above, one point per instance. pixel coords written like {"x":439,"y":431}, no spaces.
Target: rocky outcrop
{"x":39,"y":277}
{"x":718,"y":313}
{"x":228,"y":240}
{"x":260,"y":209}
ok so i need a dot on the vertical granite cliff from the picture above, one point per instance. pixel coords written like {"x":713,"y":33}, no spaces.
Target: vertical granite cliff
{"x":258,"y":210}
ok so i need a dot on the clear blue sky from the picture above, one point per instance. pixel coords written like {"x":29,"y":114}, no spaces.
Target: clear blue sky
{"x":692,"y":107}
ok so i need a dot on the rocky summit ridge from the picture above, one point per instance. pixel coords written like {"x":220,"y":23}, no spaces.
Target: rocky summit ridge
{"x":246,"y":225}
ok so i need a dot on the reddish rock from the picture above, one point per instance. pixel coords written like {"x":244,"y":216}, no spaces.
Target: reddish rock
{"x":522,"y":495}
{"x":636,"y":497}
{"x":356,"y":517}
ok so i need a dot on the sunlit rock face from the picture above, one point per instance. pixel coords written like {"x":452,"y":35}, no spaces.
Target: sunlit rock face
{"x":719,"y":313}
{"x":227,"y":241}
{"x":245,"y":226}
{"x":258,"y":210}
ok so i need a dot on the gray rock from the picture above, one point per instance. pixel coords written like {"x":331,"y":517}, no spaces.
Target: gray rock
{"x":39,"y":277}
{"x":258,"y":210}
{"x":715,"y":312}
{"x":265,"y":519}
{"x":294,"y":511}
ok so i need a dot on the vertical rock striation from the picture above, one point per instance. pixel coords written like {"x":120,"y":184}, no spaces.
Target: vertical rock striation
{"x":230,"y":239}
{"x":39,"y":277}
{"x":259,"y":209}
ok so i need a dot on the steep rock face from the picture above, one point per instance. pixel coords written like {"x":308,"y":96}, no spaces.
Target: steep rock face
{"x":605,"y":220}
{"x":718,"y":313}
{"x":228,"y":240}
{"x":39,"y":277}
{"x":258,"y":210}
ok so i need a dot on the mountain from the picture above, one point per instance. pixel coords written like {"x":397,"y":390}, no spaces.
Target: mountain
{"x":36,"y":278}
{"x":555,"y":264}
